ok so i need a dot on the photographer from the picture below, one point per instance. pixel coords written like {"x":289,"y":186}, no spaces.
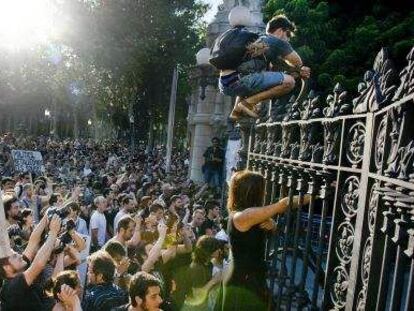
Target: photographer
{"x":17,"y":291}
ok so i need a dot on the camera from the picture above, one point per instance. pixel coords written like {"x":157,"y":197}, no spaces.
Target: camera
{"x":62,"y":212}
{"x":65,"y":238}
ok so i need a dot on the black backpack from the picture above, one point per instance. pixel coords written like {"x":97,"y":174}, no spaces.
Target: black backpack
{"x":229,"y":49}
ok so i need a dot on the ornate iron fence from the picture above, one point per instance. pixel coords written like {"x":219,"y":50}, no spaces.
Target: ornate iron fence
{"x":352,"y":247}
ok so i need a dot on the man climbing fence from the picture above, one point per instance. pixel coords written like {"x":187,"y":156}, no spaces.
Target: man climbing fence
{"x":244,"y":60}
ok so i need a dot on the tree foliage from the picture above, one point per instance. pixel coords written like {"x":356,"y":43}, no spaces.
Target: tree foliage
{"x":118,"y":56}
{"x":339,"y":40}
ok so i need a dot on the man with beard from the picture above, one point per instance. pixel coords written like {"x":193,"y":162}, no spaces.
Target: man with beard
{"x":7,"y":185}
{"x":128,"y":204}
{"x":19,"y":291}
{"x":144,"y":293}
{"x":128,"y":232}
{"x":11,"y":208}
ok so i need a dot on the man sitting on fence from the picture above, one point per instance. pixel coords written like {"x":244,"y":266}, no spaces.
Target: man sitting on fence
{"x":250,"y":81}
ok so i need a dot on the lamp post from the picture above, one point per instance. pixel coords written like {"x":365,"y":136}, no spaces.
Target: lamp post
{"x":204,"y":72}
{"x":132,"y":129}
{"x":47,"y":115}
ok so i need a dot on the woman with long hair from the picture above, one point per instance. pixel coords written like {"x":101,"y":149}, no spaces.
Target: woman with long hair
{"x":244,"y":287}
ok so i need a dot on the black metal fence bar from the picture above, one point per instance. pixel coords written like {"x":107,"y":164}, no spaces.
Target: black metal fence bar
{"x":409,"y":303}
{"x":297,"y":215}
{"x":324,"y":195}
{"x":352,"y":247}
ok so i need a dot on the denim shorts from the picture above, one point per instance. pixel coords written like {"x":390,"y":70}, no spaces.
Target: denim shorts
{"x":251,"y":84}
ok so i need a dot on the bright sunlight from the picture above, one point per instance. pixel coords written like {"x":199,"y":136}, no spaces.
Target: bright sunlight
{"x":24,"y":23}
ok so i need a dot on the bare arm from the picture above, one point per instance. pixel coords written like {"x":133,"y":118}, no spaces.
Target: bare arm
{"x":155,"y":251}
{"x":59,"y":264}
{"x":187,"y":247}
{"x":34,"y":240}
{"x":136,"y":238}
{"x":44,"y":252}
{"x":80,"y":243}
{"x":252,"y":216}
{"x":293,"y":60}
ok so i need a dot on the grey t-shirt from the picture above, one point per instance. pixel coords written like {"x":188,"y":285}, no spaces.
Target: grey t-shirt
{"x":276,"y":47}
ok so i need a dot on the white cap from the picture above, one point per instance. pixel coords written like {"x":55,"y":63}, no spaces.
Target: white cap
{"x":240,"y":16}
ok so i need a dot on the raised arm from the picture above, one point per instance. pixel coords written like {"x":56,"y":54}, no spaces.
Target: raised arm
{"x":293,"y":59}
{"x":136,"y":238}
{"x":155,"y":251}
{"x":80,"y":243}
{"x":34,"y":240}
{"x":43,"y":255}
{"x":252,"y":216}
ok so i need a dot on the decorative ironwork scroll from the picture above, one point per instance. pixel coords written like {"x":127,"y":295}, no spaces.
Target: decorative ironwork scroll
{"x":355,"y":144}
{"x":332,"y":131}
{"x":366,"y":254}
{"x":366,"y":161}
{"x":406,"y":87}
{"x":345,"y":241}
{"x":378,"y":86}
{"x":337,"y":103}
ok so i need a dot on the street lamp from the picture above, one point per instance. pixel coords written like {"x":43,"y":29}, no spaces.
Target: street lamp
{"x":89,"y":122}
{"x":205,"y":72}
{"x":48,"y":115}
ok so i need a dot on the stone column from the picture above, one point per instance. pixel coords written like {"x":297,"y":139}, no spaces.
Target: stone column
{"x":203,"y":132}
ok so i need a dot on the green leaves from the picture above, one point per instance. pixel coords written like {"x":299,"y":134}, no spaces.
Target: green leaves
{"x":339,"y":40}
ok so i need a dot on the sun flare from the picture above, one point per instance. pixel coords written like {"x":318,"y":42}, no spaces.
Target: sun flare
{"x":24,"y":23}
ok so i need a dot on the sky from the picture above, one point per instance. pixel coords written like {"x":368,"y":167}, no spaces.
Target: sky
{"x":210,"y":14}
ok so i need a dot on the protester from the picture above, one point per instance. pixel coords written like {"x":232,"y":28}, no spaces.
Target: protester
{"x":102,"y":294}
{"x":157,"y":218}
{"x":245,"y":287}
{"x":144,"y":293}
{"x":244,"y":66}
{"x":213,"y":164}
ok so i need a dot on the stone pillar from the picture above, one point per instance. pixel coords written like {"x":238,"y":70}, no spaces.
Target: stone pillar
{"x":203,"y":132}
{"x":209,"y":113}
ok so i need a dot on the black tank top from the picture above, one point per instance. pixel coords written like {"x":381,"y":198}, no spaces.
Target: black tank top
{"x":248,"y":250}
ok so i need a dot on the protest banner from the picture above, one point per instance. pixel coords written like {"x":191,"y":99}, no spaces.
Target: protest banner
{"x":28,"y":161}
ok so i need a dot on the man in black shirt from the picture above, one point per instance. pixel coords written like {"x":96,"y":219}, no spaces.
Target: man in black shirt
{"x":213,"y":163}
{"x":19,"y":291}
{"x":210,"y":225}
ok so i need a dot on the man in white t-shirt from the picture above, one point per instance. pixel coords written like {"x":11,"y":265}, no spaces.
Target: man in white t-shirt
{"x":128,"y":204}
{"x":97,"y":225}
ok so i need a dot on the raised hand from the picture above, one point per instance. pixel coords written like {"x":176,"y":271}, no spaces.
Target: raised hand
{"x":54,"y":226}
{"x":162,"y":229}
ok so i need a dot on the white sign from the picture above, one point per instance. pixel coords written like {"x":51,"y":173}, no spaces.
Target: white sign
{"x":28,"y":161}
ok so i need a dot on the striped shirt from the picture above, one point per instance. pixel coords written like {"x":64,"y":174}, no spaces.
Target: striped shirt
{"x":103,"y":297}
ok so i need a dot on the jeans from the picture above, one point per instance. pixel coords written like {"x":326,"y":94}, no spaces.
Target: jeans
{"x":212,"y":177}
{"x":251,"y":84}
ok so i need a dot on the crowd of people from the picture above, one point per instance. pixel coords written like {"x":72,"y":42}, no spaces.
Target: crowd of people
{"x":149,"y":239}
{"x":104,"y":227}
